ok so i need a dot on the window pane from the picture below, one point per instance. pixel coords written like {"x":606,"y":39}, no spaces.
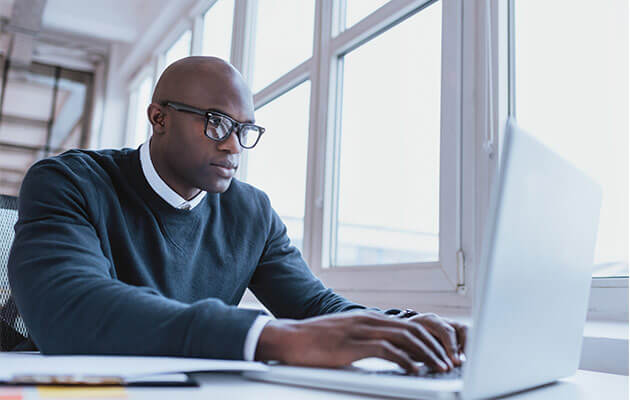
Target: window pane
{"x":180,"y":49}
{"x":356,"y":10}
{"x":389,"y":153}
{"x":283,"y":39}
{"x":217,"y":29}
{"x":143,"y":98}
{"x":277,"y":164}
{"x":571,"y":88}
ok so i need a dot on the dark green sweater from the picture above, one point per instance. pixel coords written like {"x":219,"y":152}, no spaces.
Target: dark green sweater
{"x":102,"y":264}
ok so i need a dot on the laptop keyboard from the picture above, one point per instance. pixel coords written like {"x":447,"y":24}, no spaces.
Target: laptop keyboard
{"x":455,"y":373}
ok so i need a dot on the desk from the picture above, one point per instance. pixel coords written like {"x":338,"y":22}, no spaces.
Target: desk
{"x":584,"y":385}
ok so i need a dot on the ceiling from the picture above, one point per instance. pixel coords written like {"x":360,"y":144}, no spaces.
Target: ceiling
{"x":75,"y":34}
{"x":109,"y":21}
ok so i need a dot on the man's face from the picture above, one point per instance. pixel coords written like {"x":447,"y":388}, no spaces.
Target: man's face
{"x":195,"y":159}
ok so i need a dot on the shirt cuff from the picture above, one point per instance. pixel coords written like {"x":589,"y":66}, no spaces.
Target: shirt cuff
{"x":251,"y":340}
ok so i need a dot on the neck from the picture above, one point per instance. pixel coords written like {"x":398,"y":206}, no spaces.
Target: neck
{"x":169,"y":176}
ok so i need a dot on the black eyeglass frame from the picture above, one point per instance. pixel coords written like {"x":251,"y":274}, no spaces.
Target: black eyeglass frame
{"x":210,"y":113}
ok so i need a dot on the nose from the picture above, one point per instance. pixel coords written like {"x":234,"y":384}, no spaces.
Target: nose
{"x":231,"y":144}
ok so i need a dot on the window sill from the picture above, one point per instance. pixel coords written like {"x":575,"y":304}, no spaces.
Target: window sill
{"x":605,"y":347}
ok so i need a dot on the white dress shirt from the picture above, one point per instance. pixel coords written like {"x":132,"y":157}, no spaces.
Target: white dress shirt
{"x":175,"y":200}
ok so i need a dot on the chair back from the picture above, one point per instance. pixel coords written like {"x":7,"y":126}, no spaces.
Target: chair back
{"x":13,"y":332}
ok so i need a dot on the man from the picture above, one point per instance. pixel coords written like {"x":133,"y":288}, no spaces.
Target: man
{"x":148,"y":251}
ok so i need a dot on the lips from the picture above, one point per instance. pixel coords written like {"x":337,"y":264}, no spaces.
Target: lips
{"x":224,"y":164}
{"x":224,"y":169}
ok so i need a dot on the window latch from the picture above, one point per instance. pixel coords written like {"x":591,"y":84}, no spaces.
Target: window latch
{"x":461,"y":273}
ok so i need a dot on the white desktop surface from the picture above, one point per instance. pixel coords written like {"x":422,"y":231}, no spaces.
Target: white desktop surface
{"x":582,"y":386}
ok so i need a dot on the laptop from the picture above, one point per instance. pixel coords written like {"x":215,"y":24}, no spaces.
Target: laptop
{"x":531,"y":293}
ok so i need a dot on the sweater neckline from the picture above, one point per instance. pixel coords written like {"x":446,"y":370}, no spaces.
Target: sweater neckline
{"x":154,"y":199}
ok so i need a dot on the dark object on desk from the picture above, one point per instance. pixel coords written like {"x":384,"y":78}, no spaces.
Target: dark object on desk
{"x":160,"y":380}
{"x":406,"y":313}
{"x":13,"y":332}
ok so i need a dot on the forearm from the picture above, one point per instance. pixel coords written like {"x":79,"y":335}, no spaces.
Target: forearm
{"x":339,"y":339}
{"x":271,"y":340}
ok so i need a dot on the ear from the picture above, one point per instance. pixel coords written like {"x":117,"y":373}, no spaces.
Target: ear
{"x":157,"y":117}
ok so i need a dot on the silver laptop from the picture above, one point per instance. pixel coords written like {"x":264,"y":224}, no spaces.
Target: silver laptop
{"x":531,"y":296}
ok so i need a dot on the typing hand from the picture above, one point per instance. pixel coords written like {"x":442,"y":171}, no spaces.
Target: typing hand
{"x":450,"y":334}
{"x":337,"y":340}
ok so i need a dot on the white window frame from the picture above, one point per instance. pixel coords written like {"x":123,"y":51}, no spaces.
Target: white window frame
{"x":154,"y":65}
{"x":197,"y":12}
{"x":173,"y":36}
{"x":132,"y":97}
{"x":440,"y":277}
{"x":437,"y":281}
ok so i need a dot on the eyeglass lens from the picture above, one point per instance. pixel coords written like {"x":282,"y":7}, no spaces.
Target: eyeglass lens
{"x":219,"y":127}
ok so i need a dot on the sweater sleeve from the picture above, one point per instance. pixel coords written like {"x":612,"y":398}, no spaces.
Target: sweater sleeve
{"x":284,"y":283}
{"x":65,"y":291}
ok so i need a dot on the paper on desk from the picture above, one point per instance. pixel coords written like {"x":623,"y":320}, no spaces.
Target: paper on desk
{"x":12,"y":364}
{"x":69,"y":392}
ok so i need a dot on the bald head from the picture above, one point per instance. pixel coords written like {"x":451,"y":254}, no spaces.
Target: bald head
{"x":199,"y":81}
{"x":184,"y":157}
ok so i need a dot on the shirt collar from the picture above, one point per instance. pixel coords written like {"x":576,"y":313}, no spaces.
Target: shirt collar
{"x":160,"y":187}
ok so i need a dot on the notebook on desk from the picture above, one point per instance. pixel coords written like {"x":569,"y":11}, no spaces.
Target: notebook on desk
{"x":531,"y":296}
{"x":37,"y":369}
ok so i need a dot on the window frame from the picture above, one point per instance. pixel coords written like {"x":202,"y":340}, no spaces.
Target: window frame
{"x":440,"y":278}
{"x":133,"y":89}
{"x":329,"y":41}
{"x":172,"y":38}
{"x":378,"y":284}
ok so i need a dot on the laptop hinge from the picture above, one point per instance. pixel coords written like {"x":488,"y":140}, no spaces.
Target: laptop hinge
{"x":461,"y":272}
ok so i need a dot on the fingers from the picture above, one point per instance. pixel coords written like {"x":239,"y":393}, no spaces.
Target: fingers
{"x":411,"y":343}
{"x":435,"y":346}
{"x":445,"y":333}
{"x":419,"y":331}
{"x":384,"y":349}
{"x":435,"y":355}
{"x":462,"y":333}
{"x":450,"y":335}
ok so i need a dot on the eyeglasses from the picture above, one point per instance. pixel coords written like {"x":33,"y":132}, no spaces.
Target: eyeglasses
{"x":219,"y":126}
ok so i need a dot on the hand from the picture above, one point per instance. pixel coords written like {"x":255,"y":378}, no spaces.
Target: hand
{"x":337,"y":340}
{"x":450,"y":334}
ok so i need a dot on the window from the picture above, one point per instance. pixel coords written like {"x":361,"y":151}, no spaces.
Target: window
{"x":361,"y":159}
{"x":356,"y":10}
{"x":179,"y":49}
{"x":571,"y":91}
{"x":217,"y":29}
{"x":277,"y":164}
{"x":140,"y":92}
{"x":142,"y":97}
{"x":283,"y":40}
{"x":389,"y":167}
{"x":326,"y":77}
